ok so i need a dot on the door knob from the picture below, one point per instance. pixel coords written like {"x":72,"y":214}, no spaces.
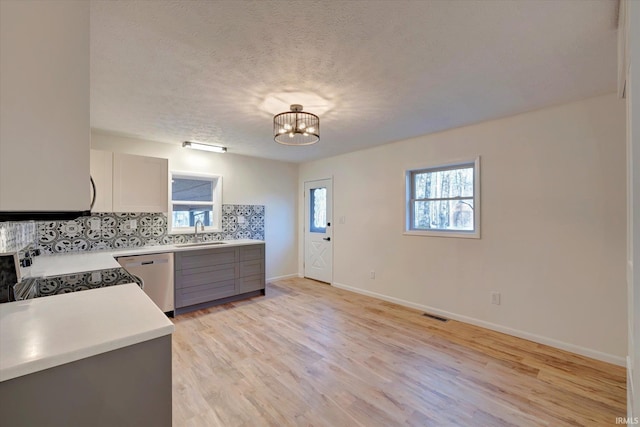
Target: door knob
{"x":328,"y":239}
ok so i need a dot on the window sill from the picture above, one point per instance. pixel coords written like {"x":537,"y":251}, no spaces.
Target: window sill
{"x":441,"y":233}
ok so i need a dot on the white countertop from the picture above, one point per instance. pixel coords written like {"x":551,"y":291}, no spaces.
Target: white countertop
{"x":42,"y":333}
{"x":69,"y":263}
{"x":56,"y":265}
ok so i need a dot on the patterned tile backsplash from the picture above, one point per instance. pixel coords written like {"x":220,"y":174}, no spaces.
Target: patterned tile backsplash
{"x":15,"y":236}
{"x":113,"y":230}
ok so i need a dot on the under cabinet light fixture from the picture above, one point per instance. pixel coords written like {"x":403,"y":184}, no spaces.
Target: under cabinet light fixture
{"x":204,"y":147}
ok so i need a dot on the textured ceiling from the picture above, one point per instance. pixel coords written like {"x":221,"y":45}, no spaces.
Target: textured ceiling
{"x":383,"y":70}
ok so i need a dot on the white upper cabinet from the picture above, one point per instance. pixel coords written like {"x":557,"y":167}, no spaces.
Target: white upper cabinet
{"x":44,"y":106}
{"x":102,"y":174}
{"x":140,"y":183}
{"x":128,"y":183}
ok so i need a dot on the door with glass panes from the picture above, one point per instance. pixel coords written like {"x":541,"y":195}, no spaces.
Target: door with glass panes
{"x":318,"y":247}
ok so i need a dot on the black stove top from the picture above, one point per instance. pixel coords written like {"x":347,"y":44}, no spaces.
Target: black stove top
{"x":45,"y":286}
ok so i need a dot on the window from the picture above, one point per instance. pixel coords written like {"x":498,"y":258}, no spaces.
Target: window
{"x":195,"y":197}
{"x":318,"y":217}
{"x":444,"y":200}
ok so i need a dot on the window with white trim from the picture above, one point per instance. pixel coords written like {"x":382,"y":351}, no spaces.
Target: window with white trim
{"x":444,"y":200}
{"x":195,"y":197}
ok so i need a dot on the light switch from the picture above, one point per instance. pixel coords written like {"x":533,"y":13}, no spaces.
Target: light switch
{"x":133,"y":224}
{"x":94,"y":224}
{"x":241,"y":219}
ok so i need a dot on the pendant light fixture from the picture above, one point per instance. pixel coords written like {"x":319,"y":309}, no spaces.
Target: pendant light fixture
{"x":296,"y":127}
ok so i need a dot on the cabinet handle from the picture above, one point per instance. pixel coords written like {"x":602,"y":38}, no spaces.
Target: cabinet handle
{"x":93,"y":187}
{"x":328,"y":239}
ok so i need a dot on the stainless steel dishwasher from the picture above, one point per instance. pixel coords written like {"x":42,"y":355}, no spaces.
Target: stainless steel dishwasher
{"x":156,"y":272}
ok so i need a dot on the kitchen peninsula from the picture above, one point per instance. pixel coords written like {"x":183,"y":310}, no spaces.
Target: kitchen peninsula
{"x":99,"y":357}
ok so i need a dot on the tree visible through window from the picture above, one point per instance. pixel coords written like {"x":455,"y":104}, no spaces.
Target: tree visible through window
{"x":442,"y":199}
{"x":318,"y":210}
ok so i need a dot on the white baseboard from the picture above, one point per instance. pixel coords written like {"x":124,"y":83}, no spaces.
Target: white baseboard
{"x":286,"y":276}
{"x":594,"y":354}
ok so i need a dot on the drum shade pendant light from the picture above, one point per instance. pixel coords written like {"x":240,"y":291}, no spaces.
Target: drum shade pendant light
{"x":296,"y":127}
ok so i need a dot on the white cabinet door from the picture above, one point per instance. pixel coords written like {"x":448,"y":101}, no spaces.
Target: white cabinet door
{"x":140,"y":183}
{"x":44,"y":107}
{"x":102,"y":174}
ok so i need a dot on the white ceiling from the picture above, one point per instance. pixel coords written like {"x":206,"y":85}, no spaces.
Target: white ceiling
{"x":383,"y":70}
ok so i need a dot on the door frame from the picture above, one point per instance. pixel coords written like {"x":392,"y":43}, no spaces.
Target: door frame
{"x":304,"y":223}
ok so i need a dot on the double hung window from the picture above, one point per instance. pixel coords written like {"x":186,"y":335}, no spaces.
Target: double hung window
{"x":444,"y":200}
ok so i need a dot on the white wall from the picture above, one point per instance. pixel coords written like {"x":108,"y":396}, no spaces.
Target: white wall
{"x":553,"y":226}
{"x":246,"y":180}
{"x":633,"y":162}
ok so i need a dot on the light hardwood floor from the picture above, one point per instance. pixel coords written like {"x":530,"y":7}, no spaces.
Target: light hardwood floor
{"x":309,"y":354}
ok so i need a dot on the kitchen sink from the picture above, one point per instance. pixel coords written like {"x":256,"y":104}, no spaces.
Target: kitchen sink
{"x":192,"y":244}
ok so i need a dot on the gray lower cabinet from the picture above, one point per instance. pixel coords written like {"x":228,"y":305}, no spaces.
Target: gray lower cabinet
{"x":128,"y":387}
{"x":207,"y":276}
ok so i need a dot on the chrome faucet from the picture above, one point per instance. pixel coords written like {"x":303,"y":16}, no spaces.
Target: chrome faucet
{"x":195,"y":238}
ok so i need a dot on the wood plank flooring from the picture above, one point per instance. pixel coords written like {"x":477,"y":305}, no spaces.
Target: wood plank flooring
{"x":309,"y":354}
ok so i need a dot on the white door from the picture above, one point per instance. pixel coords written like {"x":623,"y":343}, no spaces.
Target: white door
{"x":318,"y":253}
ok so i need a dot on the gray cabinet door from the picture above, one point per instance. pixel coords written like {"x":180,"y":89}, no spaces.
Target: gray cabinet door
{"x":205,"y":258}
{"x":252,"y":252}
{"x":203,"y":275}
{"x":203,"y":284}
{"x":205,"y":293}
{"x":251,"y":269}
{"x":250,"y":284}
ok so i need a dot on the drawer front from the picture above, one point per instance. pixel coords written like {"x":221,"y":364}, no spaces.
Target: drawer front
{"x":250,"y":283}
{"x":251,"y":268}
{"x":205,"y":293}
{"x":205,"y":257}
{"x":206,"y":275}
{"x":251,"y":252}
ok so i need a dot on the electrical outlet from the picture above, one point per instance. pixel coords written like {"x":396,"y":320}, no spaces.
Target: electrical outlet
{"x":495,"y":298}
{"x":372,"y":274}
{"x":241,"y":219}
{"x":133,"y":224}
{"x":94,"y":224}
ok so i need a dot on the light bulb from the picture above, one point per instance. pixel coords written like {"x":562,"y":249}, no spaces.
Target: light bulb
{"x":291,"y":135}
{"x":302,"y":126}
{"x":311,"y":129}
{"x":281,"y":130}
{"x":305,"y":134}
{"x":287,"y":126}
